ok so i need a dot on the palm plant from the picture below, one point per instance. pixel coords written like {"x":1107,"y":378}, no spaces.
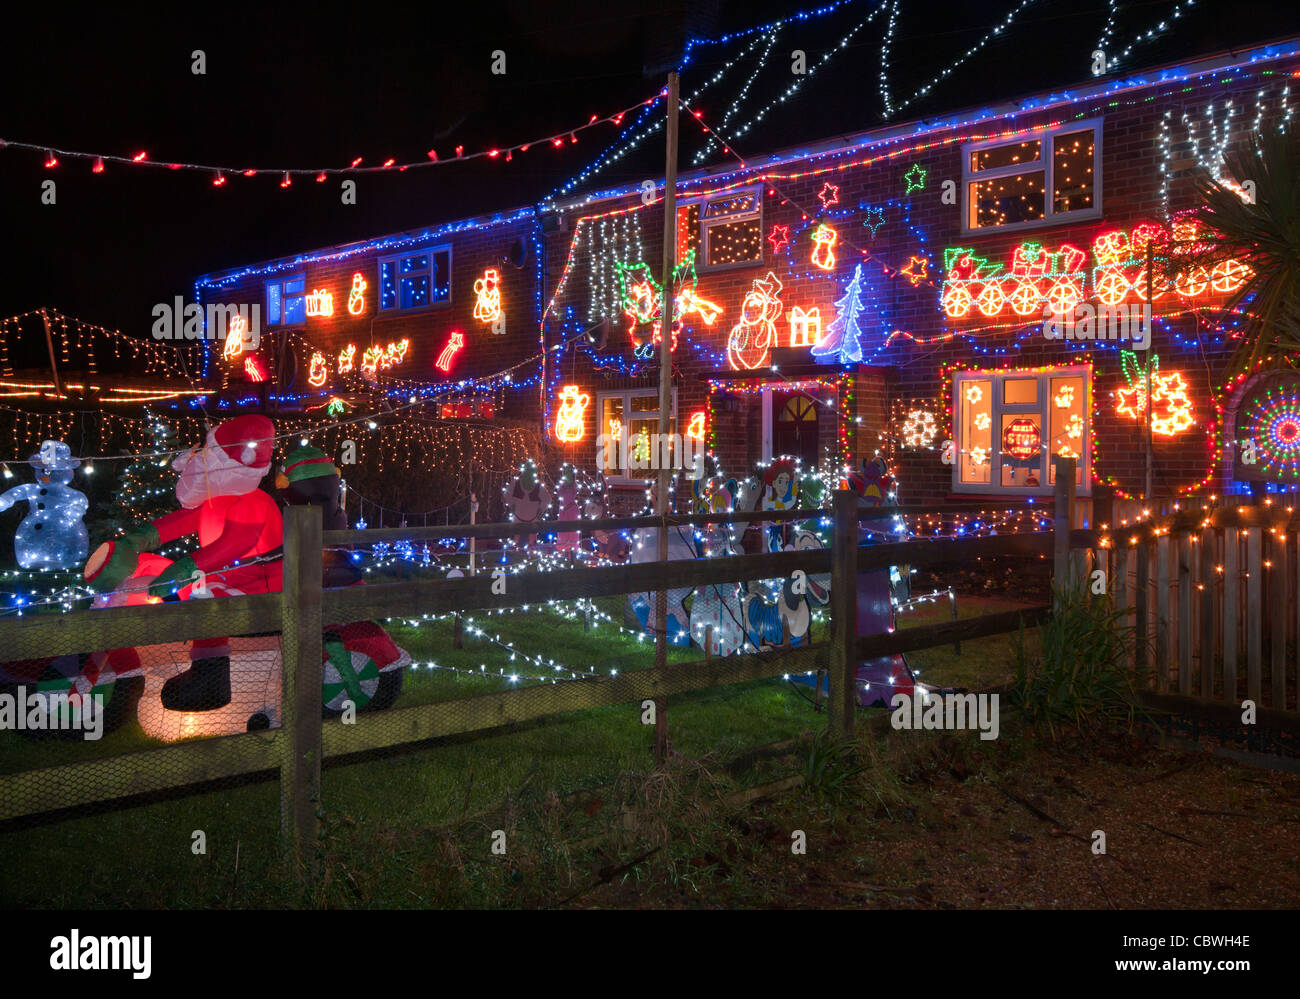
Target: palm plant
{"x":1263,"y":233}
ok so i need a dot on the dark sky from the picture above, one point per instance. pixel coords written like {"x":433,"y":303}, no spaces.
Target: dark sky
{"x":320,"y":85}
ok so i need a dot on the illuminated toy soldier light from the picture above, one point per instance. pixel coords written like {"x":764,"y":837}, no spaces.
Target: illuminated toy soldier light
{"x":235,"y":522}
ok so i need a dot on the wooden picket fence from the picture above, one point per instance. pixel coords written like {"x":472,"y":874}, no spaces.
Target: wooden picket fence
{"x":303,"y":609}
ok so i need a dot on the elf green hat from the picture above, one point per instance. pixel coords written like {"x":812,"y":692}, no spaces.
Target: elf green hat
{"x":307,"y":463}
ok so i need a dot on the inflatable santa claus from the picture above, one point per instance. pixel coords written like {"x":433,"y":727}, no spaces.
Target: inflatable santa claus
{"x":240,"y":534}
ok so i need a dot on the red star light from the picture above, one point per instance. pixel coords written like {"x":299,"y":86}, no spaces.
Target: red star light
{"x":916,"y":270}
{"x":779,"y":237}
{"x":830,"y":195}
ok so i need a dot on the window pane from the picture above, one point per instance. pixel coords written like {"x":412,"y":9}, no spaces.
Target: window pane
{"x":730,"y":206}
{"x":1006,"y":200}
{"x":1021,"y":438}
{"x":414,"y":291}
{"x":645,"y":404}
{"x":611,"y":415}
{"x":1005,"y":156}
{"x":295,"y":285}
{"x":1067,"y":421}
{"x":1020,"y":392}
{"x":975,"y":407}
{"x":388,"y":285}
{"x":735,"y":242}
{"x":295,"y":306}
{"x":419,"y":262}
{"x":688,"y":231}
{"x":1072,"y":177}
{"x":273,"y":302}
{"x":442,"y":276}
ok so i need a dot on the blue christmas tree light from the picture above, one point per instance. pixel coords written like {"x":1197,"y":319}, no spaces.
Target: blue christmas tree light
{"x":842,"y":335}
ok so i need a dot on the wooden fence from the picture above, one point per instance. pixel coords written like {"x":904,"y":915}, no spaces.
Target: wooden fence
{"x":1212,"y":595}
{"x":300,"y":612}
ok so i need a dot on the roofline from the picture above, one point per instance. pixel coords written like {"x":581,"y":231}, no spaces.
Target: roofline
{"x":1173,"y":72}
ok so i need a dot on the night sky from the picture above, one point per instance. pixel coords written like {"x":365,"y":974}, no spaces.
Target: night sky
{"x":320,"y":86}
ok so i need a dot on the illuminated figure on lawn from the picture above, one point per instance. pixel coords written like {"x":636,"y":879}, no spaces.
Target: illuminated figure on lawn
{"x":52,"y":535}
{"x":238,"y":526}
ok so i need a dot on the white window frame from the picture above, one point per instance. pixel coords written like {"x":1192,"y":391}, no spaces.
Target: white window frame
{"x":1045,"y":163}
{"x":395,"y":258}
{"x":701,"y":261}
{"x":281,"y":282}
{"x":627,"y":395}
{"x":999,"y":408}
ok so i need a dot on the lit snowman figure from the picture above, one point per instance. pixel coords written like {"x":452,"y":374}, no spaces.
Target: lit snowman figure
{"x":52,"y":535}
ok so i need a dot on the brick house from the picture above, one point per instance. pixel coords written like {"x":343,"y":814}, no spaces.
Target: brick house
{"x":882,"y":292}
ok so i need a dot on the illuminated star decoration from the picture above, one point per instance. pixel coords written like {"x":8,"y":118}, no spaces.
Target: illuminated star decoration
{"x":874,"y":220}
{"x":916,"y":270}
{"x":1171,"y":409}
{"x":779,"y":237}
{"x":915,"y":178}
{"x":829,"y":195}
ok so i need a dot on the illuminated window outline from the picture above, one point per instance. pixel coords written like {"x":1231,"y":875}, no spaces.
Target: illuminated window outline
{"x":395,"y":258}
{"x":1042,"y":408}
{"x":285,"y":295}
{"x":707,"y":223}
{"x":1043,"y":164}
{"x":621,"y":478}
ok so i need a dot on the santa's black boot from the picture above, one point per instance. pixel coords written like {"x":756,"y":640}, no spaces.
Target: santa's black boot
{"x":205,"y":686}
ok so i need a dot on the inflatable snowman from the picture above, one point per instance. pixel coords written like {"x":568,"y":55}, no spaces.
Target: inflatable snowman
{"x":52,"y":535}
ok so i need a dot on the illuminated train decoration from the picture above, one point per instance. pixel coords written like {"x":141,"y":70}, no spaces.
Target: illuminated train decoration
{"x":1039,"y":279}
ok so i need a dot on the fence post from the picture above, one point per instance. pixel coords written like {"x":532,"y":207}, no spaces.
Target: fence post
{"x":844,"y":614}
{"x":1063,"y":522}
{"x":300,"y":696}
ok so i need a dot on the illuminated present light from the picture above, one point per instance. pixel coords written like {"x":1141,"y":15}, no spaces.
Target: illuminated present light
{"x":805,"y":327}
{"x":695,"y":428}
{"x":487,"y":289}
{"x":916,"y":270}
{"x":920,"y":429}
{"x":320,"y":303}
{"x":253,"y":369}
{"x":779,"y":237}
{"x":356,"y":298}
{"x":569,"y":418}
{"x":346,"y":358}
{"x":824,"y":238}
{"x":751,"y":339}
{"x":453,"y":347}
{"x":235,"y":337}
{"x":318,"y":370}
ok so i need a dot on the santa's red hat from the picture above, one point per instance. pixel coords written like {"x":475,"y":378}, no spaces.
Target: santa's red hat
{"x":248,"y":440}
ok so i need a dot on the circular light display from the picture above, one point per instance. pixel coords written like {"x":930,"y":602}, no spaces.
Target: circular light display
{"x":1272,"y":424}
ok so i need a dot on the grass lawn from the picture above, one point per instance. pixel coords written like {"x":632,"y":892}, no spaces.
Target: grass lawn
{"x":399,"y":829}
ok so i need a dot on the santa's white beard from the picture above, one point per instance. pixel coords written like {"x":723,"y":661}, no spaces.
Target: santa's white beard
{"x":210,"y":472}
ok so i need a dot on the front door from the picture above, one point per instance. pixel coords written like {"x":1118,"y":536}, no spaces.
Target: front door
{"x":794,"y":427}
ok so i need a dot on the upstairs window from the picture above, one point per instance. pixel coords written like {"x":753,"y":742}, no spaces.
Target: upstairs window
{"x":724,"y":231}
{"x":1049,"y":177}
{"x":286,"y":300}
{"x":415,"y":280}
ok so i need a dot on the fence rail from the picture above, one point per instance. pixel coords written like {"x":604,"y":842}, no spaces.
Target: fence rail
{"x":299,"y":613}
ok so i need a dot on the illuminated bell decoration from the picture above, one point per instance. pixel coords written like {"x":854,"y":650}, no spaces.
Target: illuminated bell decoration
{"x":1022,"y":439}
{"x":569,"y":423}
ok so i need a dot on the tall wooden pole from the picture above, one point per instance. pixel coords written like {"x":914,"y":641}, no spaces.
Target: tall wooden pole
{"x":665,"y":399}
{"x":49,"y":342}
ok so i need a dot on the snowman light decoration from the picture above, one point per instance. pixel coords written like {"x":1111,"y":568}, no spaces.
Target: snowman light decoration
{"x":52,"y":535}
